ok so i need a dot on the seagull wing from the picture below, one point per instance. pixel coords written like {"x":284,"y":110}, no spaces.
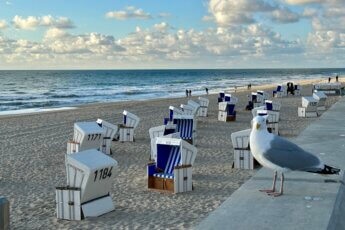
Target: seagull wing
{"x":288,"y":155}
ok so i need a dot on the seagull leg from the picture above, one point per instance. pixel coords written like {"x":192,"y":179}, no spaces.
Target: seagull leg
{"x":275,"y":194}
{"x":273,"y":185}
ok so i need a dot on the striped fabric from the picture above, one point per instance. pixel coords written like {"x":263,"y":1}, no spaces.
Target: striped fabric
{"x":185,"y":127}
{"x":173,"y":160}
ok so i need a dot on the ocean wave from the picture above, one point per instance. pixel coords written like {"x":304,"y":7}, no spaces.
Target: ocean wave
{"x":65,"y":96}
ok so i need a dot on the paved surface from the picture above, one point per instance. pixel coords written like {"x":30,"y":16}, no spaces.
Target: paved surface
{"x":311,"y":201}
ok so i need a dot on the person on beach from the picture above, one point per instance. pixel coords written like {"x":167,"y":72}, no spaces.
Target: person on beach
{"x":190,"y":92}
{"x":337,"y":78}
{"x":329,"y":80}
{"x":206,"y":90}
{"x":249,"y":86}
{"x":187,"y":92}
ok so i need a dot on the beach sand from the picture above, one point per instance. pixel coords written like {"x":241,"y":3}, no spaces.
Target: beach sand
{"x":32,"y":164}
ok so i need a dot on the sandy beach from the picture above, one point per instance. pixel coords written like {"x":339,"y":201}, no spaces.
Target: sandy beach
{"x":32,"y":149}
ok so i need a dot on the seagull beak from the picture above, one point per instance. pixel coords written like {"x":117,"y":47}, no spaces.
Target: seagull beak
{"x":258,"y":126}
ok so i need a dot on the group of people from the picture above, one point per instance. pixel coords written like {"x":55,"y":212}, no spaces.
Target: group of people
{"x":189,"y":92}
{"x":336,"y":79}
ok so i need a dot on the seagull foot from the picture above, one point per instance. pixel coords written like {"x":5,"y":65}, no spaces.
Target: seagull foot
{"x":267,"y":190}
{"x":275,"y":194}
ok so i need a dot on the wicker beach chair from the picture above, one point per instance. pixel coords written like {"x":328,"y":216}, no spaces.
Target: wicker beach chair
{"x":110,"y":132}
{"x":281,"y":91}
{"x":130,"y":123}
{"x":272,"y":105}
{"x":321,"y":97}
{"x":226,"y":111}
{"x":204,"y":102}
{"x":87,"y":135}
{"x":90,"y":175}
{"x":172,"y":171}
{"x":309,"y":107}
{"x":243,"y":158}
{"x":221,"y":96}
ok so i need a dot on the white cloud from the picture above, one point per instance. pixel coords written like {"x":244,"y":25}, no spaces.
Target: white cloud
{"x":284,"y":16}
{"x":299,"y":2}
{"x":31,"y":22}
{"x":130,"y":12}
{"x":3,"y":24}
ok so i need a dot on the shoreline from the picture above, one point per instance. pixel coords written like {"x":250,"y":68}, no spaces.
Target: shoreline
{"x":32,"y":164}
{"x":22,"y":112}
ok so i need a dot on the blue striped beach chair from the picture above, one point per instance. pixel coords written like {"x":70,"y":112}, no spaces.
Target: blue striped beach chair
{"x":172,"y":171}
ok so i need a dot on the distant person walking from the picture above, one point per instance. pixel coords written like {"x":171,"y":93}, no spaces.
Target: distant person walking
{"x":190,"y":92}
{"x":249,"y":86}
{"x":337,"y":78}
{"x":187,"y":92}
{"x":206,"y":90}
{"x":329,"y":80}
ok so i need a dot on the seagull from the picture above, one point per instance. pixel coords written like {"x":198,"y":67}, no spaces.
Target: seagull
{"x":281,"y":155}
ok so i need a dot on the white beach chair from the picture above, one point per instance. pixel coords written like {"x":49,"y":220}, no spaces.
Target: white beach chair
{"x":204,"y":102}
{"x":243,"y":158}
{"x":226,"y":111}
{"x":110,"y":131}
{"x":334,"y":88}
{"x":130,"y":123}
{"x":264,"y":94}
{"x":172,"y":171}
{"x":87,"y":135}
{"x":90,"y":175}
{"x":272,"y":120}
{"x":231,"y":99}
{"x":281,"y":91}
{"x":173,"y":111}
{"x":257,"y":100}
{"x":195,"y":105}
{"x":309,"y":107}
{"x":221,"y":96}
{"x":272,"y":105}
{"x":321,"y":97}
{"x":298,"y":90}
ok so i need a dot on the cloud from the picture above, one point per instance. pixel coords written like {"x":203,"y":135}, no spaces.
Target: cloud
{"x":300,"y":2}
{"x":285,"y":16}
{"x":129,"y":13}
{"x":244,"y":12}
{"x":32,"y":22}
{"x":3,"y":24}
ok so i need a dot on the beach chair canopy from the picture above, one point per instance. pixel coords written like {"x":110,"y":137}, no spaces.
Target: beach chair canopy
{"x":240,"y":140}
{"x":174,"y":111}
{"x":189,"y":109}
{"x":221,"y":94}
{"x":194,"y":104}
{"x":130,"y":119}
{"x":92,"y":172}
{"x":184,"y":125}
{"x":272,"y":105}
{"x":88,"y":134}
{"x":204,"y":102}
{"x":319,"y":95}
{"x":110,"y":130}
{"x":309,"y":101}
{"x":172,"y":152}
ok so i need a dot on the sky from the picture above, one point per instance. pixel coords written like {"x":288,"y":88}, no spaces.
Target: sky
{"x":170,"y":34}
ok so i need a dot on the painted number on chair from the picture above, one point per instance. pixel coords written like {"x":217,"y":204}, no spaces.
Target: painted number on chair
{"x":103,"y":174}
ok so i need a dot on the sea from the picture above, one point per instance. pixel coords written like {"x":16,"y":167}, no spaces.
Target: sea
{"x":48,"y":89}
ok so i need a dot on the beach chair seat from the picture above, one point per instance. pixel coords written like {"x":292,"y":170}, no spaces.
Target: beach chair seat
{"x":243,"y":158}
{"x":321,"y":97}
{"x":221,"y":96}
{"x":226,"y":112}
{"x":309,"y":107}
{"x":90,"y":175}
{"x":130,"y":123}
{"x":272,"y":105}
{"x":204,"y":102}
{"x":87,"y":135}
{"x":172,"y":171}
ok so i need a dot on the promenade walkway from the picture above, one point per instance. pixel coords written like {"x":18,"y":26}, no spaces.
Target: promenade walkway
{"x":311,"y":201}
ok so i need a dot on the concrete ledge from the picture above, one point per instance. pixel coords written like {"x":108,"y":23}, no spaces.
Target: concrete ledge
{"x":311,"y":201}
